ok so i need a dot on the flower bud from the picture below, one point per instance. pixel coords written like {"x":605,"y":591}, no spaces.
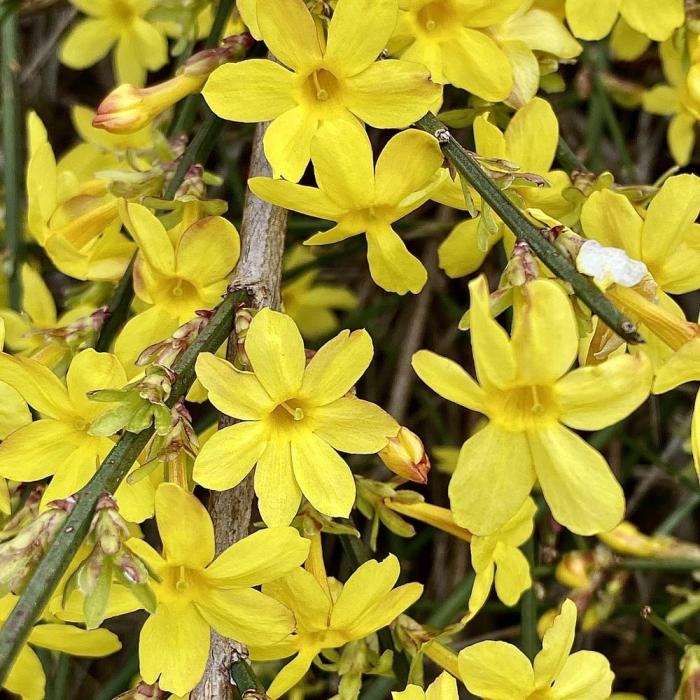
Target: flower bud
{"x":574,"y":569}
{"x":689,"y":688}
{"x":405,"y":455}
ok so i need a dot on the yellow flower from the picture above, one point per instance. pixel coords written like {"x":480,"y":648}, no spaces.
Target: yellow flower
{"x":496,"y":558}
{"x":140,"y":45}
{"x":665,"y":240}
{"x":654,"y":18}
{"x":60,"y":443}
{"x":312,"y":305}
{"x":175,"y":274}
{"x":679,"y":99}
{"x":450,"y":37}
{"x":361,"y":199}
{"x":529,"y":141}
{"x":444,"y":687}
{"x":530,"y":397}
{"x":294,"y":418}
{"x":23,"y":330}
{"x":196,"y":592}
{"x":500,"y":671}
{"x":338,"y":81}
{"x":330,"y":614}
{"x":76,"y":223}
{"x":26,"y":677}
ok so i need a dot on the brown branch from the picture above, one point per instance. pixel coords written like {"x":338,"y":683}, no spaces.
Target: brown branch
{"x":258,"y":273}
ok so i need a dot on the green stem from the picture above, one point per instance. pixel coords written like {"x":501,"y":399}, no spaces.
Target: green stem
{"x":684,"y":509}
{"x":455,"y":602}
{"x":680,"y":640}
{"x":639,"y":564}
{"x":244,"y":681}
{"x":583,"y":287}
{"x":528,"y":608}
{"x":566,"y":157}
{"x":12,"y":146}
{"x":111,"y":472}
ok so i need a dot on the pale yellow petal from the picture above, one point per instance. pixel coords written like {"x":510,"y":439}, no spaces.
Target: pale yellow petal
{"x":655,"y":19}
{"x":591,"y":20}
{"x":150,"y":236}
{"x":306,"y":200}
{"x":88,"y":42}
{"x":277,"y":490}
{"x":193,"y":258}
{"x":586,"y":676}
{"x":287,"y":143}
{"x":460,"y":253}
{"x":91,"y":370}
{"x":556,"y":645}
{"x":391,"y":265}
{"x":532,"y":137}
{"x":496,"y":670}
{"x":610,"y":219}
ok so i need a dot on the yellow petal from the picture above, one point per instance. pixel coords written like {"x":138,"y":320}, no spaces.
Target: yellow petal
{"x":184,"y":526}
{"x":480,"y":592}
{"x":89,"y":371}
{"x":671,"y":213}
{"x":277,"y":490}
{"x":14,"y":412}
{"x":532,"y":137}
{"x":474,"y":62}
{"x":512,"y":574}
{"x":352,"y":425}
{"x":556,"y":645}
{"x":323,"y":475}
{"x":683,"y":366}
{"x":336,"y":367}
{"x":460,"y":254}
{"x":594,"y":397}
{"x":494,"y":475}
{"x":391,"y":94}
{"x":526,"y":72}
{"x":287,"y":143}
{"x":681,"y":138}
{"x":74,"y":641}
{"x":576,"y":481}
{"x":493,"y":355}
{"x":591,"y":20}
{"x":306,"y":200}
{"x":229,"y":455}
{"x":88,"y":42}
{"x":412,"y":692}
{"x":542,"y":31}
{"x":292,"y":673}
{"x":263,"y":556}
{"x":586,"y":676}
{"x":358,"y":33}
{"x":610,"y":218}
{"x":301,"y":592}
{"x":149,"y":44}
{"x":289,"y":31}
{"x":496,"y":670}
{"x":391,"y":265}
{"x":276,"y":352}
{"x":655,"y":19}
{"x":408,"y":163}
{"x":26,"y":677}
{"x":128,"y":67}
{"x":37,"y":450}
{"x":661,"y":99}
{"x":444,"y":687}
{"x":174,"y":647}
{"x":344,"y":164}
{"x":246,"y":615}
{"x":194,"y":261}
{"x":141,"y":331}
{"x":385,"y":611}
{"x":250,"y":91}
{"x":447,"y":378}
{"x":37,"y":300}
{"x":540,"y":306}
{"x":627,"y":44}
{"x":150,"y":236}
{"x":695,"y":434}
{"x":249,"y":14}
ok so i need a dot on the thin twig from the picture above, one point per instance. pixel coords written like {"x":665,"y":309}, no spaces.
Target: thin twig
{"x":48,"y":48}
{"x":12,"y":132}
{"x":583,"y":287}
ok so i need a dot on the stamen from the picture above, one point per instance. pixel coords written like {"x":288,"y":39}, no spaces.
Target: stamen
{"x":295,"y":413}
{"x":321,"y":93}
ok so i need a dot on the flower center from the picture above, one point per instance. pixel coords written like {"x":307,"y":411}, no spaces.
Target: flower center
{"x":437,"y":19}
{"x":322,"y":92}
{"x":287,"y":417}
{"x":180,"y":583}
{"x":181,"y":293}
{"x":122,"y":12}
{"x":523,"y":407}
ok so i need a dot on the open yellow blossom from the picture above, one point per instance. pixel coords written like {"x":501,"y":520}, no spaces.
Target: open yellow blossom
{"x":175,"y":274}
{"x":294,"y":418}
{"x":330,"y":614}
{"x":666,"y":240}
{"x":654,"y":18}
{"x":450,"y":37}
{"x":140,"y":45}
{"x":362,"y":199}
{"x":313,"y":305}
{"x":75,"y":222}
{"x":339,"y":81}
{"x":529,"y":141}
{"x":444,"y":687}
{"x":196,"y":592}
{"x":678,"y":98}
{"x":530,"y":397}
{"x":26,"y":677}
{"x":59,"y":444}
{"x":496,"y":558}
{"x":500,"y":671}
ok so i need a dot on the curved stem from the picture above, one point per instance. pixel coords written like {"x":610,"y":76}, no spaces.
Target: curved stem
{"x":516,"y":221}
